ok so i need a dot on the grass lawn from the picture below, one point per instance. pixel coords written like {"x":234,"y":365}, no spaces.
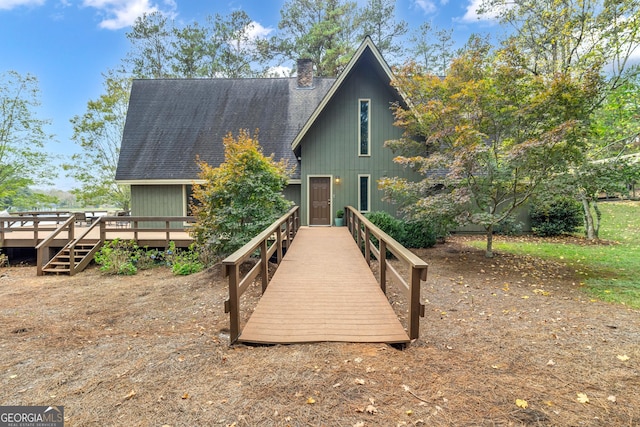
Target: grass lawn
{"x":610,"y":270}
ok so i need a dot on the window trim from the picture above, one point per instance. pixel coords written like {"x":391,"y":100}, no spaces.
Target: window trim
{"x":368,"y":101}
{"x":368,"y":207}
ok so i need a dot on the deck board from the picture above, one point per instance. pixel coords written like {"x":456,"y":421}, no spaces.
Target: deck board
{"x":323,"y":290}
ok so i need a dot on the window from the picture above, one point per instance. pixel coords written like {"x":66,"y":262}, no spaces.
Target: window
{"x":365,"y":127}
{"x":363,"y":192}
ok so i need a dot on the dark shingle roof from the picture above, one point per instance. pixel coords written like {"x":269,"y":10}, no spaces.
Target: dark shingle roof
{"x":171,"y":121}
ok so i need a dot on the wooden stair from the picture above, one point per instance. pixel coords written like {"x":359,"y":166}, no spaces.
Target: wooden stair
{"x":83,"y":252}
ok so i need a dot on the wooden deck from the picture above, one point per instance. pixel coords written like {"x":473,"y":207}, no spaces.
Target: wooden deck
{"x":323,"y":290}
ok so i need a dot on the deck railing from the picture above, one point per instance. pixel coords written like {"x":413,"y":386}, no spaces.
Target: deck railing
{"x":271,"y":241}
{"x":37,"y":224}
{"x":362,"y":231}
{"x":139,"y":226}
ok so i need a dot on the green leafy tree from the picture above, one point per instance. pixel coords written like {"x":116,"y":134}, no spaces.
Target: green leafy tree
{"x":485,"y":137}
{"x":432,"y":49}
{"x":99,"y":133}
{"x":233,"y":50}
{"x":320,"y":30}
{"x":240,"y":198}
{"x":151,"y":40}
{"x":574,"y":38}
{"x":23,"y":160}
{"x":189,"y":50}
{"x":378,"y":22}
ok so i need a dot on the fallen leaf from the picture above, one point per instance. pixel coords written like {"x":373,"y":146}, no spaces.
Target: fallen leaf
{"x":359,"y":381}
{"x":371,"y":409}
{"x":130,"y":395}
{"x":612,"y":399}
{"x":409,"y":412}
{"x":520,"y":403}
{"x":582,"y":398}
{"x":551,"y":363}
{"x":185,"y":396}
{"x":311,"y":401}
{"x":357,"y":360}
{"x":623,"y":358}
{"x":359,"y":424}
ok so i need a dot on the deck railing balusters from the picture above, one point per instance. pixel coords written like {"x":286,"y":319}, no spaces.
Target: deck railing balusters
{"x":360,"y":226}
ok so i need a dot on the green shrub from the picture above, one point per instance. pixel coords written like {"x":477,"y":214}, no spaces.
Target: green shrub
{"x":126,"y":258}
{"x":387,"y":223}
{"x":184,"y":262}
{"x":418,"y":235}
{"x":561,"y":215}
{"x":118,"y":257}
{"x":413,"y":234}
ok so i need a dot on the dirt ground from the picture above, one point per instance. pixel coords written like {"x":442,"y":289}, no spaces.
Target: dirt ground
{"x":505,"y":342}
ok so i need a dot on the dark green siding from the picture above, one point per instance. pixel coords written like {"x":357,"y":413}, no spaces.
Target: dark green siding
{"x":157,"y":200}
{"x":330,"y":147}
{"x":292,"y":192}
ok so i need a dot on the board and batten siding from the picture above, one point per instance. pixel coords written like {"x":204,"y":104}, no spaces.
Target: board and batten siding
{"x":331,"y":147}
{"x":158,"y":200}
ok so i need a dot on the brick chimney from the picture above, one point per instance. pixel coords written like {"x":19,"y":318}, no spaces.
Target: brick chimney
{"x":305,"y":73}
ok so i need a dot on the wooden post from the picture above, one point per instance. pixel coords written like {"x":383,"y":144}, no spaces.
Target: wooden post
{"x":279,"y":242}
{"x":367,"y":245}
{"x":103,"y":231}
{"x":264,"y":261}
{"x":383,"y":266}
{"x":72,"y":260}
{"x":233,"y":271}
{"x":414,"y":303}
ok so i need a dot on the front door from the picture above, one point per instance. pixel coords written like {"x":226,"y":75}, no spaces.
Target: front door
{"x":320,"y":201}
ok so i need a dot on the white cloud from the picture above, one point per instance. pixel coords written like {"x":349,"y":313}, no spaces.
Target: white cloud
{"x":472,"y":14}
{"x":256,"y":31}
{"x":123,"y":13}
{"x":10,"y":4}
{"x":427,"y":6}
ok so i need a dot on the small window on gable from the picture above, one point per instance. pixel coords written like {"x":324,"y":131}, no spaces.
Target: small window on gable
{"x":364,"y":192}
{"x":364,"y":111}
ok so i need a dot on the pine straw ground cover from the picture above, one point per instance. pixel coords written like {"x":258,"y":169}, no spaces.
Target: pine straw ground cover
{"x":508,"y":341}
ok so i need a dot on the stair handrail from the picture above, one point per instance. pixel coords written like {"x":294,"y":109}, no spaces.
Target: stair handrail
{"x":72,"y":245}
{"x":46,"y":243}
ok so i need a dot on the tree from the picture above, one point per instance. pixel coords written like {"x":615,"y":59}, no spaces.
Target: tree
{"x":574,"y":38}
{"x":99,"y":133}
{"x":233,"y":51}
{"x":189,"y":49}
{"x":485,"y":137}
{"x":319,"y":30}
{"x":151,"y":39}
{"x":23,"y":161}
{"x":378,"y":22}
{"x":432,"y":48}
{"x":240,"y":198}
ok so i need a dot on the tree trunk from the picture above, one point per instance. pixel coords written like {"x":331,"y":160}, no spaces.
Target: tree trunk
{"x":489,"y":253}
{"x":588,"y":218}
{"x":598,"y":217}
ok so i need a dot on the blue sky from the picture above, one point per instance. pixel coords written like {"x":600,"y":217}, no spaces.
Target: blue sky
{"x":68,"y":44}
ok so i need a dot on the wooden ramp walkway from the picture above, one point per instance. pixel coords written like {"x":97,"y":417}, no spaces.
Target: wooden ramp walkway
{"x":323,"y":290}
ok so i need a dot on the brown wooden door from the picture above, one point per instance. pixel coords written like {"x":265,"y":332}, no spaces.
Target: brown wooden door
{"x":320,"y":201}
